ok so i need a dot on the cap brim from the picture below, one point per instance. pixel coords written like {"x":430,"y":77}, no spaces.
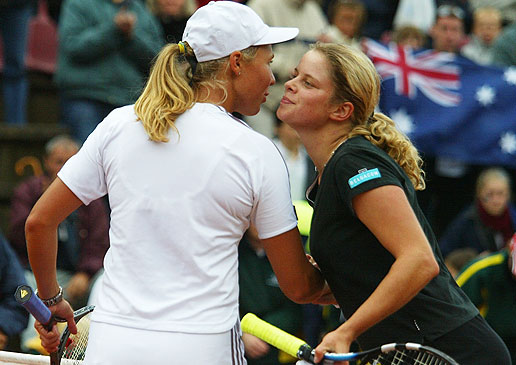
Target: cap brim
{"x":277,"y":35}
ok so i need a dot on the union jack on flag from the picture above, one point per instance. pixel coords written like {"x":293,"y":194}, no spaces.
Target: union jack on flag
{"x":432,"y":73}
{"x":448,"y":105}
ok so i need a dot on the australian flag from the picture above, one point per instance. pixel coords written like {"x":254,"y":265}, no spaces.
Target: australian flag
{"x":448,"y":105}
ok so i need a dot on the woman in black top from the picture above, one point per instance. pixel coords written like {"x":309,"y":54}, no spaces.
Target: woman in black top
{"x":368,"y":235}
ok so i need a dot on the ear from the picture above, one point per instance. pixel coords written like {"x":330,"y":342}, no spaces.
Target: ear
{"x":235,"y":62}
{"x":342,"y":112}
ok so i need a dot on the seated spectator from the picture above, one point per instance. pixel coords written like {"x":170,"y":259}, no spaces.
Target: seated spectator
{"x":458,"y":259}
{"x":409,"y":36}
{"x":172,"y":15}
{"x":490,"y":283}
{"x":13,"y":317}
{"x":487,"y":223}
{"x":105,"y":49}
{"x":447,"y":33}
{"x":260,"y":294}
{"x":506,"y":7}
{"x":346,"y":20}
{"x":487,"y":25}
{"x":451,"y":184}
{"x":504,"y":48}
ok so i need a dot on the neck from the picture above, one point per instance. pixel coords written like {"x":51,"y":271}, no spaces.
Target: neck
{"x":321,"y":145}
{"x":215,"y":96}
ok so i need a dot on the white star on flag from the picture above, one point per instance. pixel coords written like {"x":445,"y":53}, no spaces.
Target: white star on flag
{"x":510,"y":75}
{"x":508,"y":143}
{"x":485,"y":95}
{"x":403,"y":120}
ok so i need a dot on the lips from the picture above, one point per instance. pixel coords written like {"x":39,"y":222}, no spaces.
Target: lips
{"x":286,"y":100}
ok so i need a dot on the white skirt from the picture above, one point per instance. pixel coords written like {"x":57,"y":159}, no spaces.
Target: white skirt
{"x":115,"y":345}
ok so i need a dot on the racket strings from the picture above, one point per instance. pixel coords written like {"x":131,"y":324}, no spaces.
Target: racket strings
{"x":76,"y":344}
{"x":408,"y":357}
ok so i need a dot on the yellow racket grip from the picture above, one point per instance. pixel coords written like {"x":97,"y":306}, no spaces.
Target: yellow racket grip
{"x":272,"y":335}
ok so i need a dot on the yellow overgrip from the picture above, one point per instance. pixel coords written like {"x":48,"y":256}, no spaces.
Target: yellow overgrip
{"x":271,"y":334}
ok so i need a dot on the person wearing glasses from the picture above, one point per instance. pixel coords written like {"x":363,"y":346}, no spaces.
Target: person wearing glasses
{"x":451,"y":181}
{"x":448,"y":31}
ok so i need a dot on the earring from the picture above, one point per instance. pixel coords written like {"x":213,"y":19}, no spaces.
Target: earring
{"x":239,"y":73}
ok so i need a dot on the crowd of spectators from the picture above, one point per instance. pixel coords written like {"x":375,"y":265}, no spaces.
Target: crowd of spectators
{"x":104,"y":53}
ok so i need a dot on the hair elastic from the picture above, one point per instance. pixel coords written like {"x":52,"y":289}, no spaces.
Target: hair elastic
{"x":182,"y":48}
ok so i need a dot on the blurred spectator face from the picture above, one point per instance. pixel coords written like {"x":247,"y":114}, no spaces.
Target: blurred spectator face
{"x":170,"y":7}
{"x":348,"y":20}
{"x":57,"y":158}
{"x":409,"y":36}
{"x":494,"y":195}
{"x":448,"y":31}
{"x":411,"y":42}
{"x":487,"y":25}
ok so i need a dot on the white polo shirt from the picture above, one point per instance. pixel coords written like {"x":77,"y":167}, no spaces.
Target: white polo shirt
{"x":178,"y":212}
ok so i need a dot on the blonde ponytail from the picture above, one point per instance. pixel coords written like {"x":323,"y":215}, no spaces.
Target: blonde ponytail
{"x":166,"y":95}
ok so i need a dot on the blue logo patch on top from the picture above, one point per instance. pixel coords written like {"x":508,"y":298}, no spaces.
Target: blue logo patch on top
{"x":363,"y":176}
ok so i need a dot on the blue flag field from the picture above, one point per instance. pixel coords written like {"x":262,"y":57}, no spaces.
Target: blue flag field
{"x":448,"y":105}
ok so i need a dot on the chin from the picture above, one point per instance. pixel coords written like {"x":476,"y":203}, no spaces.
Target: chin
{"x":281,"y":116}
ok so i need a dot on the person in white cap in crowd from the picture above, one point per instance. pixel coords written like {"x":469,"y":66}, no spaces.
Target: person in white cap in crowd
{"x":185,"y":179}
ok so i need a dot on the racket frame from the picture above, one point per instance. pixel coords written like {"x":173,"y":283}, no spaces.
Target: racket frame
{"x":284,"y":341}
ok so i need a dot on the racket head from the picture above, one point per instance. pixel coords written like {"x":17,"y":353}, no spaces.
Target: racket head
{"x":397,"y":353}
{"x":73,"y":346}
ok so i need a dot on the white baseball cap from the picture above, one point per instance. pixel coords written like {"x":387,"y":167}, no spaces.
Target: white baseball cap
{"x":219,"y":28}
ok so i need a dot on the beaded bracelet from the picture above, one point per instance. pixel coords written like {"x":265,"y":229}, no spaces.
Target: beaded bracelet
{"x":54,"y":300}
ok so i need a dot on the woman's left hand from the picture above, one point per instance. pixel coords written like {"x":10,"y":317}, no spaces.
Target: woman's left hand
{"x":338,"y":341}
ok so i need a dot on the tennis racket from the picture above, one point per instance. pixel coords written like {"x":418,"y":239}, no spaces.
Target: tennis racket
{"x":72,"y":347}
{"x":392,"y":353}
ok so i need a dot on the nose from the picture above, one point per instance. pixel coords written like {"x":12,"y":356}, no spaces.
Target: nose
{"x":272,"y":78}
{"x":289,"y":85}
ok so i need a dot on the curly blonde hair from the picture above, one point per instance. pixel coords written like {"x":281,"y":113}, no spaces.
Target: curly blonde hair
{"x":175,"y":84}
{"x":357,"y":81}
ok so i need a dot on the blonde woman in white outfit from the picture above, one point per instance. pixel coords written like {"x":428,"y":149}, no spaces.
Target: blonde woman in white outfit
{"x":185,"y":179}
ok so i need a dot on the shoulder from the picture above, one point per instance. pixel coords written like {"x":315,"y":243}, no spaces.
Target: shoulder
{"x":118,"y":118}
{"x":358,"y":151}
{"x":214,"y":125}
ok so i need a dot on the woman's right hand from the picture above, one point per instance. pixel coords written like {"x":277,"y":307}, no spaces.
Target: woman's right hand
{"x":50,"y":339}
{"x":254,"y":347}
